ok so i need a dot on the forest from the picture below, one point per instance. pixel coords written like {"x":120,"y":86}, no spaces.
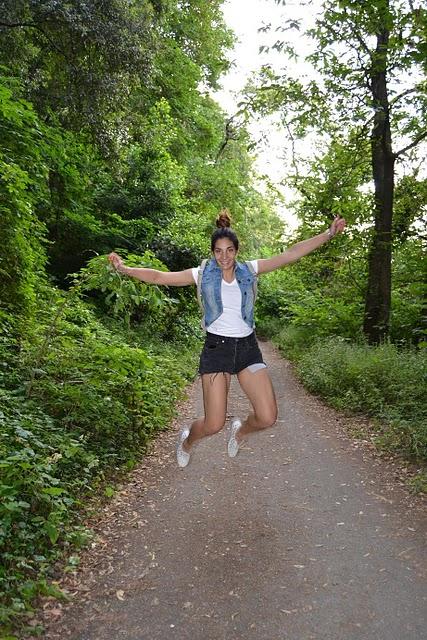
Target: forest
{"x":112,"y":140}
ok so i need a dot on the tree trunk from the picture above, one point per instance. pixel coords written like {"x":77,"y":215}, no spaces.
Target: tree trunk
{"x":378,"y":295}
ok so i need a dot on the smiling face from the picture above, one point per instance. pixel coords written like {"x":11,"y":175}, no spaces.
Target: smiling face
{"x":225,"y":253}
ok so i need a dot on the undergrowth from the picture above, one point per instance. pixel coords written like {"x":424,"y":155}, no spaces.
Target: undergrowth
{"x":384,"y":382}
{"x":98,"y":394}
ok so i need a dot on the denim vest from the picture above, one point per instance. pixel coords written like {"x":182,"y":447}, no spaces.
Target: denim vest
{"x":211,"y":292}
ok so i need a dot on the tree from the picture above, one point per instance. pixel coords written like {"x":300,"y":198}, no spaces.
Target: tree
{"x":79,"y":59}
{"x":23,"y":170}
{"x":371,"y":55}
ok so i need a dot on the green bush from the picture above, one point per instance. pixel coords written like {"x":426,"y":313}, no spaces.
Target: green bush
{"x":407,"y":318}
{"x":23,"y":173}
{"x":43,"y":469}
{"x":95,"y":401}
{"x":381,"y":381}
{"x":309,"y":310}
{"x":292,"y":341}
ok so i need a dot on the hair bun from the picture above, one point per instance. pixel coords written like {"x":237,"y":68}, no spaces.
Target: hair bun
{"x":224,"y":219}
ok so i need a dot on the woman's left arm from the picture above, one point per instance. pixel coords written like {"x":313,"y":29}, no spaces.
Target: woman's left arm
{"x":300,"y":249}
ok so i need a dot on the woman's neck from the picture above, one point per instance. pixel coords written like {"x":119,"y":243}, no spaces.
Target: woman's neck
{"x":228,"y":274}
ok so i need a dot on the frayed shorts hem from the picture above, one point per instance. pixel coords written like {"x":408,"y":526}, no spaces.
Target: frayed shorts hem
{"x":222,"y":354}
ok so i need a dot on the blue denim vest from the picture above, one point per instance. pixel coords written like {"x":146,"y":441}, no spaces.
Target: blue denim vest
{"x":211,"y":292}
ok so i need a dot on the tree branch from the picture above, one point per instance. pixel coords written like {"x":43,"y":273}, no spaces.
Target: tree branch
{"x":403,"y":94}
{"x":294,"y":162}
{"x":231,"y":133}
{"x":361,"y":41}
{"x":413,"y":144}
{"x":14,"y":25}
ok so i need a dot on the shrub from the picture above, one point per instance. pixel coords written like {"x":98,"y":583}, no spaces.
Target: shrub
{"x":320,"y":310}
{"x":96,"y":399}
{"x":381,"y":381}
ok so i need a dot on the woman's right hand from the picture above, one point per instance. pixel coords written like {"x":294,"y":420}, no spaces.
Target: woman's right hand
{"x":116,"y":261}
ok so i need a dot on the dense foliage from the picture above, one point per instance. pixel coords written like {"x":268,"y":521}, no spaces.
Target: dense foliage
{"x":367,"y":95}
{"x":96,"y":399}
{"x":111,"y":140}
{"x":384,"y":382}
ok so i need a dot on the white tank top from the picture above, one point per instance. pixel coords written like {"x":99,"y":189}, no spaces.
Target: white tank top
{"x":230,"y":323}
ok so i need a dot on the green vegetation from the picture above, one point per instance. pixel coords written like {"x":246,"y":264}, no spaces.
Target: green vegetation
{"x":364,"y":112}
{"x":110,"y":140}
{"x":314,"y":313}
{"x":95,"y":402}
{"x":383,"y":382}
{"x":365,"y":101}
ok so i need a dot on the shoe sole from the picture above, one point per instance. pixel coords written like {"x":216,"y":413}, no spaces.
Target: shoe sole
{"x":235,"y":426}
{"x":179,"y":450}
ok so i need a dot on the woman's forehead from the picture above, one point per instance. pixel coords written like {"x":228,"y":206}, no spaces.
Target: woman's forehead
{"x":224,"y":243}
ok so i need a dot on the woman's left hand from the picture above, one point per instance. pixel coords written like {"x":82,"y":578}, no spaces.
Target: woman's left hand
{"x":337,"y":226}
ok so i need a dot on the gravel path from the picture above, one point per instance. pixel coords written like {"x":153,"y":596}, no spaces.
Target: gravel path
{"x":305,"y":535}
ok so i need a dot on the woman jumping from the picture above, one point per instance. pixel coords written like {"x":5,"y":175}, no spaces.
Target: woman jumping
{"x":227,"y":290}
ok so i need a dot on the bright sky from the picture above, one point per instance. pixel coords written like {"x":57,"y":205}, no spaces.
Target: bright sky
{"x":245,"y":17}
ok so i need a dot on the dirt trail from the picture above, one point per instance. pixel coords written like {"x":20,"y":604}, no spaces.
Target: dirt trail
{"x":305,"y":535}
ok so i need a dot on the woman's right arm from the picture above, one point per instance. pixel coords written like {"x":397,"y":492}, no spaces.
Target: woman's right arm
{"x":153,"y":276}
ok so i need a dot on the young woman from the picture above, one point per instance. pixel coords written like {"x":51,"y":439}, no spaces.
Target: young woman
{"x":227,"y":289}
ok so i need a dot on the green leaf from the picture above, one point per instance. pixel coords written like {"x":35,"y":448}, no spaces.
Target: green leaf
{"x":53,"y":491}
{"x":52,"y":531}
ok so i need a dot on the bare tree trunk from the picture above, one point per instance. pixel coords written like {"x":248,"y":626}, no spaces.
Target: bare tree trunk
{"x":378,"y":295}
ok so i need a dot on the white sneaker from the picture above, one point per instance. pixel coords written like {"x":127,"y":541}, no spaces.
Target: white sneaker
{"x":233,"y":445}
{"x":182,"y":456}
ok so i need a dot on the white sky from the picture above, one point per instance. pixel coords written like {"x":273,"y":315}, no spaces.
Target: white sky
{"x":245,"y":17}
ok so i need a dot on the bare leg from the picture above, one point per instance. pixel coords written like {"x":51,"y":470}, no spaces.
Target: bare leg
{"x":258,"y":388}
{"x":215,"y":391}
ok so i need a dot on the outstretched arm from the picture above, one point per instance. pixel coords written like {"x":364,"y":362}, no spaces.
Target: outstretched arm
{"x":153,"y":276}
{"x":301,"y":249}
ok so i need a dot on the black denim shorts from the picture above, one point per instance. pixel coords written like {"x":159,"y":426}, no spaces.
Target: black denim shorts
{"x":230,"y":355}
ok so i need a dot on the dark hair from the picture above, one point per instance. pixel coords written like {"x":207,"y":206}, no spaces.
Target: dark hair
{"x":223,"y":222}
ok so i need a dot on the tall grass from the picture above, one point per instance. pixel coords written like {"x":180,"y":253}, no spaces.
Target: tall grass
{"x":384,"y":382}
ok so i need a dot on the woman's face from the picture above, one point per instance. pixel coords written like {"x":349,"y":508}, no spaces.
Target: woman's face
{"x":225,"y":253}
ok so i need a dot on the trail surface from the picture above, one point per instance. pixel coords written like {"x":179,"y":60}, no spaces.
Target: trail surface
{"x":305,"y":535}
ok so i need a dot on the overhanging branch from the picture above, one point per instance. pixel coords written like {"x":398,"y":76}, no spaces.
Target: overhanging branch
{"x":231,"y":133}
{"x":403,"y":94}
{"x":412,"y":144}
{"x":15,"y":25}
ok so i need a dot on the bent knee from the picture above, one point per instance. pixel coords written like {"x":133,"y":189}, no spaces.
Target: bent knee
{"x":267,"y":420}
{"x":214,"y":427}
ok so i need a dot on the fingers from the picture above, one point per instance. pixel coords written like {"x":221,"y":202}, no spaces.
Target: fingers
{"x":338,"y":224}
{"x":115,"y":260}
